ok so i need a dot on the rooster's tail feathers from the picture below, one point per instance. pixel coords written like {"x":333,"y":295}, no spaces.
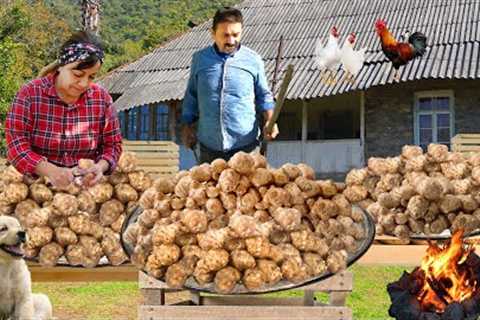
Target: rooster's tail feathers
{"x":419,"y":41}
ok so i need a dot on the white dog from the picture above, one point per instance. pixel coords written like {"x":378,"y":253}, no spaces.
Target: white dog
{"x":16,"y":298}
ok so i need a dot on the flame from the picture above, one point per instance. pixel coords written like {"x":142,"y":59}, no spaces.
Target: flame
{"x":447,"y":279}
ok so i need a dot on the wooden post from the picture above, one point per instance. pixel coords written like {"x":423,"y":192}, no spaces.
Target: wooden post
{"x":127,"y":122}
{"x":362,"y":124}
{"x":172,"y":120}
{"x":304,"y":128}
{"x":152,"y":134}
{"x":309,"y":298}
{"x":139,"y":122}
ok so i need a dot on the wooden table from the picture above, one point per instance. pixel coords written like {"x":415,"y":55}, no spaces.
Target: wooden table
{"x":126,"y":272}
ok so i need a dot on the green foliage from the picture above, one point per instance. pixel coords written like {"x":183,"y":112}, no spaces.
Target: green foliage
{"x":32,"y":31}
{"x":29,"y":38}
{"x":130,"y":29}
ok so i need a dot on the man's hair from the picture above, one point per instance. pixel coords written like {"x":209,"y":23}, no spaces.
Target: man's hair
{"x":227,"y":14}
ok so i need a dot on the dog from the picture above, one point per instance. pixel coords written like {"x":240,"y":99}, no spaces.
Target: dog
{"x":16,"y":299}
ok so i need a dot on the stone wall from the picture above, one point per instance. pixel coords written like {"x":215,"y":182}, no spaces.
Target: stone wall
{"x":389,"y":112}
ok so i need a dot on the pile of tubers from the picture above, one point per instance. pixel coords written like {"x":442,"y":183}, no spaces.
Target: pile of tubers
{"x":419,"y":193}
{"x":227,"y":224}
{"x":79,"y":224}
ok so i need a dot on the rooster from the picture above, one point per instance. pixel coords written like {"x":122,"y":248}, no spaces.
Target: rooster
{"x":400,"y":53}
{"x":352,"y":60}
{"x":328,"y":57}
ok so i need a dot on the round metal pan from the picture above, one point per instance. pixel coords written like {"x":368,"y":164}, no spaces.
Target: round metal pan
{"x":445,"y":235}
{"x":191,"y":284}
{"x":62,"y":262}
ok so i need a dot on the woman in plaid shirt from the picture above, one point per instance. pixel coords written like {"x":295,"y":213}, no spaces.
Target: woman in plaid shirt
{"x":63,"y":117}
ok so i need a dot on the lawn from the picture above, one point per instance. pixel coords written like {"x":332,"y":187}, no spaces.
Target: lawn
{"x":119,"y":300}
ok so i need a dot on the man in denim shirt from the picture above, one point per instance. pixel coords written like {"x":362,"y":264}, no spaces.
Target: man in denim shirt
{"x":226,"y":92}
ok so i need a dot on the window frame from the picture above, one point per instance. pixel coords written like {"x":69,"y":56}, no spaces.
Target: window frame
{"x":416,"y":113}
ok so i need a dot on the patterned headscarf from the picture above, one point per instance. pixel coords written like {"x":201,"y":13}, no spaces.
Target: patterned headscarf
{"x":79,"y":52}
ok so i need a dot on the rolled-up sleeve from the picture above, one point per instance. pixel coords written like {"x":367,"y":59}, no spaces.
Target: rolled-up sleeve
{"x":190,"y":101}
{"x":111,"y":137}
{"x":18,"y":129}
{"x":263,"y":95}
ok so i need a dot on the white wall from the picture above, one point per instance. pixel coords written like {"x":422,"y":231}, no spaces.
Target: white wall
{"x":327,"y":156}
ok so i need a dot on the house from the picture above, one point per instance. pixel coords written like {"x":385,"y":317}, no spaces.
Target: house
{"x":332,"y":127}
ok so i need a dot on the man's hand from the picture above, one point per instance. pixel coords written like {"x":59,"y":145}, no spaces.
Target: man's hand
{"x":189,"y":136}
{"x":270,"y":135}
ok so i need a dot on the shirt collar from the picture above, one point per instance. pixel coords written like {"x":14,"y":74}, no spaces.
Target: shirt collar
{"x":223,"y":54}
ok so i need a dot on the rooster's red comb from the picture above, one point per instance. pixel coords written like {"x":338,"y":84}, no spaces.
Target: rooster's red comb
{"x":380,"y":24}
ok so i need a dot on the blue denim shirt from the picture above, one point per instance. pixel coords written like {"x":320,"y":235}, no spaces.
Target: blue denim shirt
{"x":224,"y":94}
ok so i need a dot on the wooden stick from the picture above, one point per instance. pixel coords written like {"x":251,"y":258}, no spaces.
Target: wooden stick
{"x":281,"y":97}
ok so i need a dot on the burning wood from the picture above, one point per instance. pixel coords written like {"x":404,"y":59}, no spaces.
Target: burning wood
{"x":445,"y":286}
{"x":448,"y":278}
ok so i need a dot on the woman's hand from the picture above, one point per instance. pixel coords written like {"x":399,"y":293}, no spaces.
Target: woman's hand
{"x":59,"y":177}
{"x":92,"y":175}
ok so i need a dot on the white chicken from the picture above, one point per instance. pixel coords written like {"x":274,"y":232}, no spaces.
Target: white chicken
{"x":328,"y":57}
{"x":352,"y":60}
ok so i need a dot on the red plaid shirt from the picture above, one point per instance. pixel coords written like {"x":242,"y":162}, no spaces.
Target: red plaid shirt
{"x":40,"y":127}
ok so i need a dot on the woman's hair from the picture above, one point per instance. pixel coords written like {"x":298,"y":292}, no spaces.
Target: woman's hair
{"x":227,"y":14}
{"x":80,"y":37}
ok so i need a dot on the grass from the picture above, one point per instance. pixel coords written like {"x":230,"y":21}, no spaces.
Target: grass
{"x":119,"y":300}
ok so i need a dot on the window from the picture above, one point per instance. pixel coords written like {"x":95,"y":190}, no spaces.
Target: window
{"x":132,"y":124}
{"x":123,"y":124}
{"x":434,"y":118}
{"x":161,"y":122}
{"x":144,"y":123}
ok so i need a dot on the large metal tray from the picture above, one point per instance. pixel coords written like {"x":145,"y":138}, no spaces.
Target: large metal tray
{"x":63,"y":263}
{"x":445,"y":235}
{"x":191,"y":284}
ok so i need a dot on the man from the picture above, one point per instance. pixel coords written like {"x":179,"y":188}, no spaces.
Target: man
{"x":226,"y":93}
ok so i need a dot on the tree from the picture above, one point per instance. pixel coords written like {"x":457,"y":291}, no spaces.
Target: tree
{"x":29,"y":39}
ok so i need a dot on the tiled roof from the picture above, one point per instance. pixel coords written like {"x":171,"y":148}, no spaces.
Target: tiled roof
{"x":451,"y":26}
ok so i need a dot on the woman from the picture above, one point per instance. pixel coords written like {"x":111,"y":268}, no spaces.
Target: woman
{"x":62,"y":117}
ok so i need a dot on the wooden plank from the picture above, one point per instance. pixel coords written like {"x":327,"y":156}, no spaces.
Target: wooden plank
{"x":340,"y":282}
{"x":161,"y":170}
{"x":153,"y":143}
{"x":467,"y":135}
{"x":244,"y":312}
{"x":153,"y":297}
{"x":141,"y":148}
{"x":338,"y":298}
{"x":462,"y":148}
{"x":157,"y":162}
{"x":408,"y":255}
{"x":467,"y":140}
{"x":70,"y":274}
{"x":150,"y":142}
{"x":158,"y":155}
{"x":251,"y":300}
{"x":384,"y":239}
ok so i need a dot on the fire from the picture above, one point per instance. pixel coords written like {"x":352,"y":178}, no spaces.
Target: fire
{"x":447,"y":278}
